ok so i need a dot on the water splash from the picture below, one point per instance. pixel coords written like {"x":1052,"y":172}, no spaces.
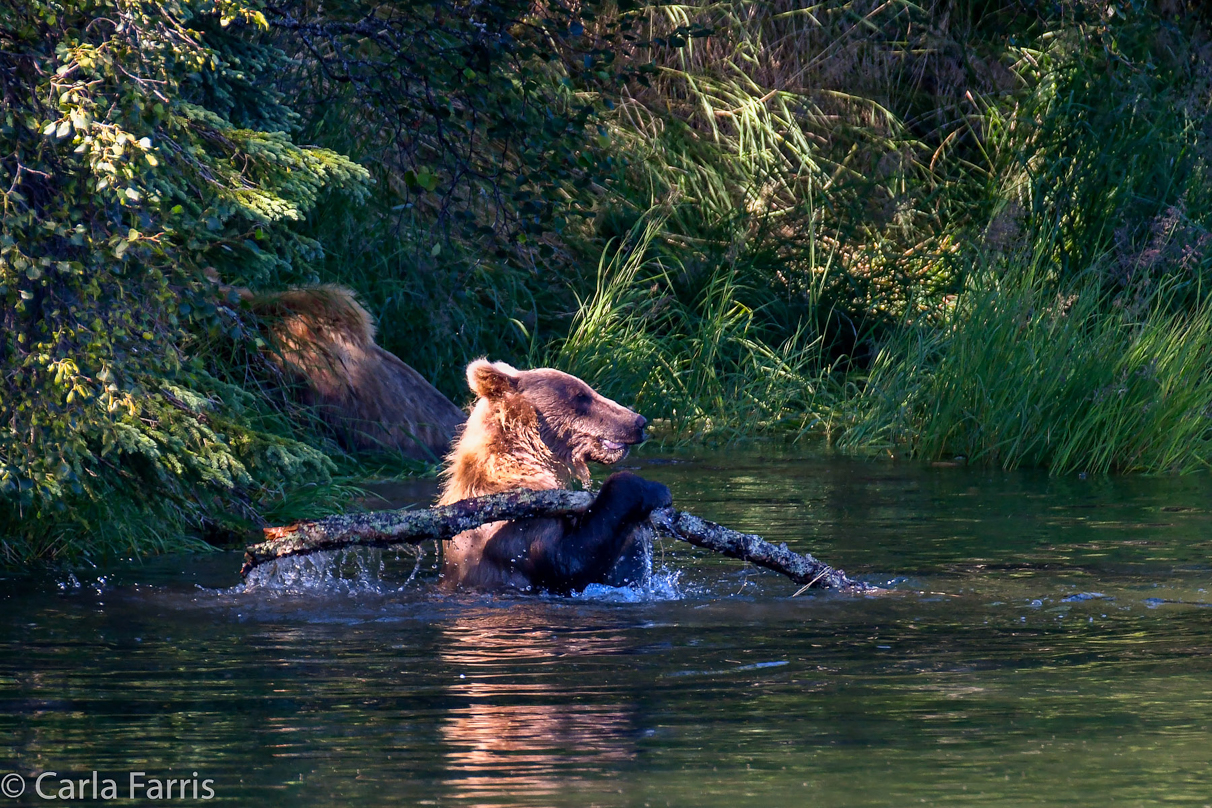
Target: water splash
{"x":654,"y":585}
{"x":71,"y":583}
{"x":364,"y":571}
{"x":659,"y":585}
{"x":355,"y":571}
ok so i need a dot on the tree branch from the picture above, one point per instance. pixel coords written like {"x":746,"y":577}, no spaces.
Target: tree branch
{"x":387,"y":528}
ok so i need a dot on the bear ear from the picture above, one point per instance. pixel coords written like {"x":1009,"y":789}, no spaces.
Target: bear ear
{"x":491,"y":379}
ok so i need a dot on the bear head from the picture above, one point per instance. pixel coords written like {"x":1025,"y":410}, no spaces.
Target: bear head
{"x":576,"y":423}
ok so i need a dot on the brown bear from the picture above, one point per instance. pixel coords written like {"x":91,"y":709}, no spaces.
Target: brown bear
{"x":539,"y":429}
{"x":324,"y":339}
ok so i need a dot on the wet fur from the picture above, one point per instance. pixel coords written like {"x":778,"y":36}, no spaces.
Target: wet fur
{"x":538,"y":429}
{"x":325,"y":339}
{"x":533,"y":429}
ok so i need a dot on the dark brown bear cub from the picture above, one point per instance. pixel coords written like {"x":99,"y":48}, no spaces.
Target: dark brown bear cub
{"x":539,"y":429}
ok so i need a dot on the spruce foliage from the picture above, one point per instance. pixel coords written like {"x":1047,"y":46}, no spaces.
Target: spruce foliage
{"x":141,"y":145}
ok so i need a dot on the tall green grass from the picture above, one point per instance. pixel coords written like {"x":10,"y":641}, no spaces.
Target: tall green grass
{"x":848,"y":126}
{"x":1108,"y":133}
{"x":119,"y":521}
{"x":1029,"y":371}
{"x":698,"y":361}
{"x":828,"y":175}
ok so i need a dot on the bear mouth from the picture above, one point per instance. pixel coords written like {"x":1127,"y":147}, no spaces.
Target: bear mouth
{"x":607,"y":452}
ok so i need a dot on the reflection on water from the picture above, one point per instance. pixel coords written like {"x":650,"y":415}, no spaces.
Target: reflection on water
{"x":1050,"y":643}
{"x":522,"y":730}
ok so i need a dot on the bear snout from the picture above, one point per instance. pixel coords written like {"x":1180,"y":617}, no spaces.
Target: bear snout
{"x":626,"y":428}
{"x":640,"y":423}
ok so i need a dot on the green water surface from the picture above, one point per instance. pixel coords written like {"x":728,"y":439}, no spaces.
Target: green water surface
{"x":1049,"y":642}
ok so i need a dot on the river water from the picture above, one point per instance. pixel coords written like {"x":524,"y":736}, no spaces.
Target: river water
{"x":1049,"y":642}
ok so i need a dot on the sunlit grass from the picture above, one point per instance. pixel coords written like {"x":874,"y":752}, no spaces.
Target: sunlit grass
{"x":1026,"y":371}
{"x":698,"y":362}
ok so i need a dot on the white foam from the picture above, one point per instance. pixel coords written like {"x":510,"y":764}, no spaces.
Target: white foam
{"x":659,"y":585}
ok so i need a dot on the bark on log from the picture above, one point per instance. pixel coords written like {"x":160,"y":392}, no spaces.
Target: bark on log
{"x":803,"y":569}
{"x":387,"y":528}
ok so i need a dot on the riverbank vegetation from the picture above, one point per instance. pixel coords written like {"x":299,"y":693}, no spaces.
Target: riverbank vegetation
{"x":938,"y":229}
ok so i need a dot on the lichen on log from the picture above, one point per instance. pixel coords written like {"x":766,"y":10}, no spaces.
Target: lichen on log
{"x":387,"y":528}
{"x":801,"y":568}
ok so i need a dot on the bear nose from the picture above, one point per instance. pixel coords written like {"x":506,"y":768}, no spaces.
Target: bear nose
{"x":640,"y":422}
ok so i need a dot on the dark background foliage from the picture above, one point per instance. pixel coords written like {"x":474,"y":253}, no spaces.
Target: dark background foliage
{"x":730,"y":214}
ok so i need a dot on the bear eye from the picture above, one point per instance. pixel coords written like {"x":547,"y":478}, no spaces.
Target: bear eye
{"x":583,"y":399}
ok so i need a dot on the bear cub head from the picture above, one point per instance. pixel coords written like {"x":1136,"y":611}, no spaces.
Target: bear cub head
{"x":535,"y":429}
{"x":575,"y":421}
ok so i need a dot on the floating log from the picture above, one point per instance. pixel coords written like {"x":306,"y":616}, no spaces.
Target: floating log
{"x":801,"y":568}
{"x":388,"y":528}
